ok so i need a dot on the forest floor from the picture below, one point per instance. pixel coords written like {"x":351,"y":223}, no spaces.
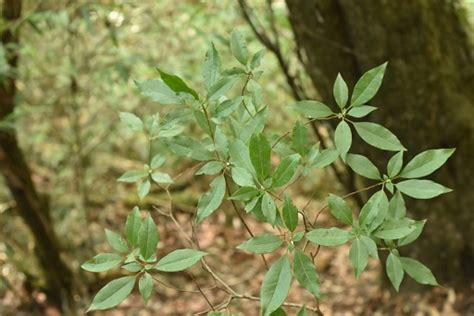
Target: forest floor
{"x":342,"y":293}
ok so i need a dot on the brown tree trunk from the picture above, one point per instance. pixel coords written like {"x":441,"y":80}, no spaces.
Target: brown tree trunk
{"x":31,"y":207}
{"x":426,"y":99}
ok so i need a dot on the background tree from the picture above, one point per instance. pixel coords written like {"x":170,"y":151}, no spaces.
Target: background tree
{"x":428,"y":89}
{"x":32,"y":207}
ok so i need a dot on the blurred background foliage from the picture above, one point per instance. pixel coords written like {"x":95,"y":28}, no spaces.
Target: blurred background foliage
{"x":78,"y":62}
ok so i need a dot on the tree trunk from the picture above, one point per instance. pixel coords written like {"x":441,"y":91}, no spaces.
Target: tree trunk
{"x":426,"y":99}
{"x":32,"y":208}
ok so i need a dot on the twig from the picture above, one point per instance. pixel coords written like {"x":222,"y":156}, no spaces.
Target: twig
{"x":274,"y":47}
{"x":236,"y":210}
{"x":202,"y":292}
{"x":179,"y":289}
{"x":287,"y":304}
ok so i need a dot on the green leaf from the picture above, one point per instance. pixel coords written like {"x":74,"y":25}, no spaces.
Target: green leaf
{"x":289,"y":213}
{"x":394,"y":270}
{"x":211,"y":66}
{"x":340,"y":91}
{"x":131,"y":257}
{"x":390,"y":187}
{"x":132,"y":267}
{"x":368,"y":85}
{"x":268,"y":208}
{"x":157,"y":161}
{"x":151,"y":124}
{"x":245,"y":194}
{"x":234,"y":71}
{"x":275,"y":286}
{"x":221,"y":87}
{"x":395,"y":164}
{"x":148,"y":238}
{"x":133,"y":176}
{"x":305,"y":273}
{"x":256,"y":59}
{"x":222,"y":144}
{"x":426,"y":163}
{"x":228,"y":107}
{"x":312,"y":109}
{"x":102,"y":262}
{"x":211,"y":168}
{"x":396,"y":206}
{"x":239,"y":155}
{"x":298,"y":236}
{"x":255,"y":206}
{"x":143,"y":189}
{"x":253,"y":125}
{"x":158,"y":91}
{"x":238,"y":47}
{"x":260,"y":151}
{"x":358,"y":256}
{"x":363,"y":166}
{"x":413,"y":235}
{"x":202,"y":121}
{"x":285,"y":171}
{"x":303,"y":311}
{"x":371,"y":246}
{"x":242,"y":177}
{"x":133,"y":121}
{"x":340,"y":209}
{"x":211,"y":200}
{"x":265,"y":243}
{"x":343,"y":138}
{"x":361,"y":111}
{"x":329,"y":237}
{"x":189,"y":147}
{"x":421,"y":189}
{"x":170,"y":130}
{"x":325,"y":158}
{"x":395,"y":229}
{"x":116,"y":241}
{"x":145,"y":286}
{"x":381,"y":212}
{"x":418,"y":271}
{"x":378,"y":136}
{"x":113,"y":293}
{"x":377,"y":204}
{"x":132,"y":226}
{"x":161,"y":177}
{"x":279,"y":312}
{"x":177,"y":84}
{"x":179,"y":260}
{"x":300,"y":138}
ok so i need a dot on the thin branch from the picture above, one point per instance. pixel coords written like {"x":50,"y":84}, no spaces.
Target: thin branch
{"x":236,"y":210}
{"x":179,"y":289}
{"x":273,"y":46}
{"x":202,"y":292}
{"x":287,"y":304}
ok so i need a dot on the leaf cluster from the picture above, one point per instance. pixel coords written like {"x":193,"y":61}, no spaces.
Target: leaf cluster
{"x":237,"y":157}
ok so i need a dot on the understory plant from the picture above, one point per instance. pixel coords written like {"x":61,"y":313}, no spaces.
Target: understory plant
{"x":234,"y":152}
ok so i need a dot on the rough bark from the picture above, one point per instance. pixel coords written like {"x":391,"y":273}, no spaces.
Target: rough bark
{"x":32,"y":208}
{"x":426,"y":99}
